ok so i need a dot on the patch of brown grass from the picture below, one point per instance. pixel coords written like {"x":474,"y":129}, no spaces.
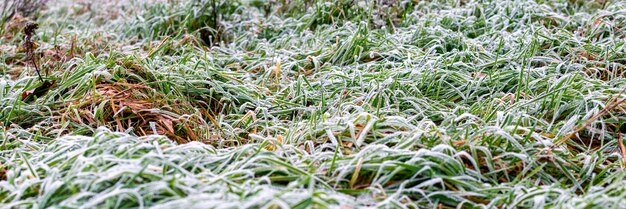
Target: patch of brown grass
{"x":121,"y":106}
{"x":3,"y":173}
{"x":14,"y":26}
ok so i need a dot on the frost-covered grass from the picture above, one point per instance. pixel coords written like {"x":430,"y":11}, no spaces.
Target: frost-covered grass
{"x":322,"y":104}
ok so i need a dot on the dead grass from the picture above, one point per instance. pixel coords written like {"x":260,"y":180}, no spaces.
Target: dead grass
{"x":14,"y":26}
{"x":139,"y":109}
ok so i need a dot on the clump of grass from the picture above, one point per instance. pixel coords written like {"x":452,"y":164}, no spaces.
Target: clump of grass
{"x":204,"y":18}
{"x":138,"y":109}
